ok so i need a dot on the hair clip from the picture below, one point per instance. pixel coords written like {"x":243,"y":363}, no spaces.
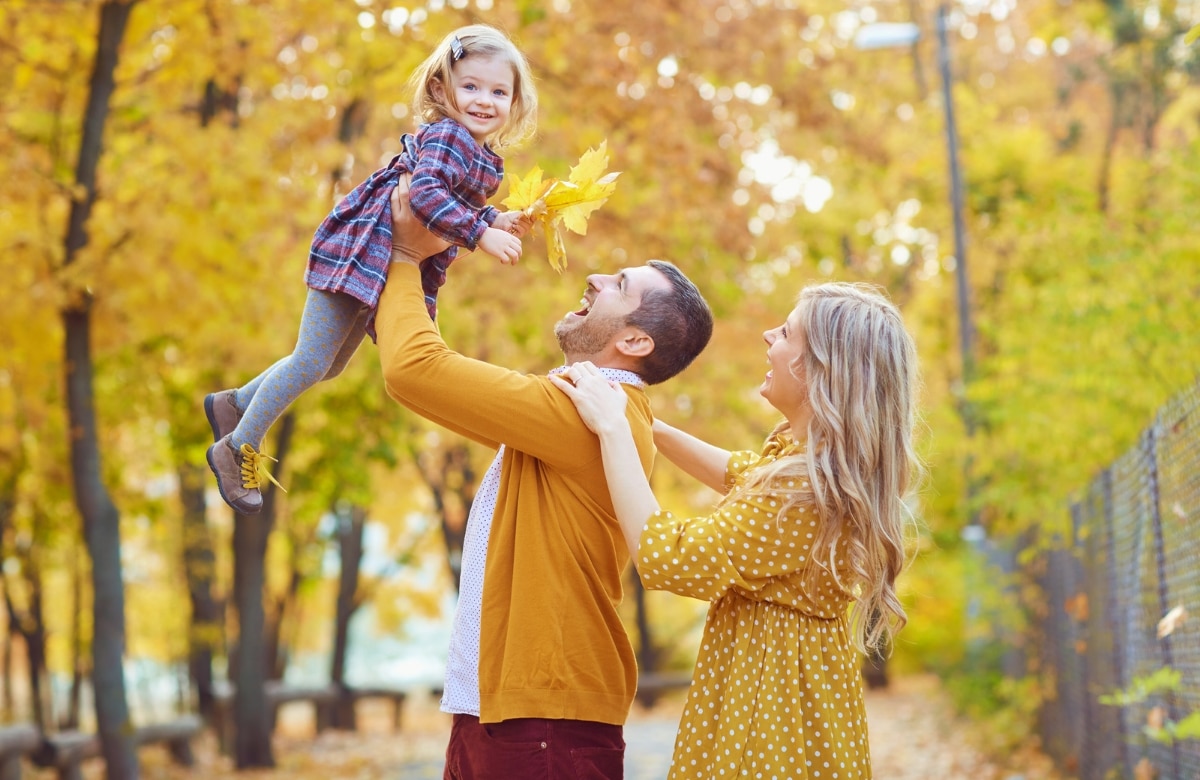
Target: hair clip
{"x":456,"y":49}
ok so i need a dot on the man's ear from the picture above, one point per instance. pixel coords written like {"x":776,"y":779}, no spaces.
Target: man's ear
{"x":635,"y":342}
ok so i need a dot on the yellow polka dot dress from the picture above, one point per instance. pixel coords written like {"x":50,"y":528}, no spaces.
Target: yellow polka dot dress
{"x":776,"y":693}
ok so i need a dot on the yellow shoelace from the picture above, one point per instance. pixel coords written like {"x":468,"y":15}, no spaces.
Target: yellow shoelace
{"x":254,"y":469}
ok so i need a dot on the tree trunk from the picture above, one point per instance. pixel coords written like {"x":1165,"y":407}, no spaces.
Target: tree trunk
{"x":875,"y":671}
{"x":350,"y":519}
{"x":102,"y":531}
{"x":1117,"y":92}
{"x":252,"y":715}
{"x":74,"y":705}
{"x":647,"y":654}
{"x":452,"y":482}
{"x":32,"y":628}
{"x":101,"y":521}
{"x":350,"y":523}
{"x":7,"y":498}
{"x":276,"y":649}
{"x":206,"y":633}
{"x":6,"y":675}
{"x":874,"y":667}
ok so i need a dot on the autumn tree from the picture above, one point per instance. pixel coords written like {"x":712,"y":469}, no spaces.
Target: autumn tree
{"x":759,"y":151}
{"x":100,"y":516}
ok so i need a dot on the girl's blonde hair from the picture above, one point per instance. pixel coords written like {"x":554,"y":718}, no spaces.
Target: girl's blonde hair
{"x":476,"y":40}
{"x":860,"y":368}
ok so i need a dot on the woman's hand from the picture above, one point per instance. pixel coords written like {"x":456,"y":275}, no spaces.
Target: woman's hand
{"x":600,"y":402}
{"x":601,"y":405}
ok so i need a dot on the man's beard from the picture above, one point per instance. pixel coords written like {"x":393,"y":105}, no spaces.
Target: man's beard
{"x":588,"y":338}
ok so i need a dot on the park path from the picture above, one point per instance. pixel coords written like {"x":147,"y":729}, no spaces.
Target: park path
{"x":914,"y":736}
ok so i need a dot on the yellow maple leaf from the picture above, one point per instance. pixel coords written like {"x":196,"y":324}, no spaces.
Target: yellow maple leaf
{"x":551,"y":202}
{"x":587,"y":198}
{"x":591,"y":165}
{"x":524,"y":193}
{"x":556,"y":251}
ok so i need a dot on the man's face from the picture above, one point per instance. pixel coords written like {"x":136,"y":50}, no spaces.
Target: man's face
{"x":608,"y":300}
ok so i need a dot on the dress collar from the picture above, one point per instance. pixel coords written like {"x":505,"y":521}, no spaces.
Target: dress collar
{"x":780,"y":445}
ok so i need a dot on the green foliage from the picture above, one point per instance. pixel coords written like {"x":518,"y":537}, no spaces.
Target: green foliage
{"x":1188,"y":728}
{"x":1160,"y":681}
{"x":934,"y":594}
{"x":1005,"y":708}
{"x":1159,"y":728}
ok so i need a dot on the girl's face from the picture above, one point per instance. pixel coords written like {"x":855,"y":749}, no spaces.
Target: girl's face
{"x":483,"y":94}
{"x":785,"y":387}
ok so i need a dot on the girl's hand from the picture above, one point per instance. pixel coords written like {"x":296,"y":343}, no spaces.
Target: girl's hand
{"x":515,"y":222}
{"x":502,"y":245}
{"x":600,"y":402}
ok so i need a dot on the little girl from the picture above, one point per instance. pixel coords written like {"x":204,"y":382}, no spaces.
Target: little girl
{"x":474,"y":93}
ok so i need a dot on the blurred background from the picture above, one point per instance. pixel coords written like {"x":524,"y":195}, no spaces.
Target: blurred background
{"x":1022,"y":178}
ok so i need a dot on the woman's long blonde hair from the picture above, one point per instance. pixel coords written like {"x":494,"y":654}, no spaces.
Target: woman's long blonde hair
{"x":860,"y":368}
{"x":480,"y":40}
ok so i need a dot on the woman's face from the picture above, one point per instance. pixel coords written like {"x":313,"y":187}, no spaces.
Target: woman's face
{"x":784,"y":386}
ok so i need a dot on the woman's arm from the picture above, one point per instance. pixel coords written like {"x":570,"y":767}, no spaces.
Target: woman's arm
{"x":699,"y":459}
{"x":601,"y":405}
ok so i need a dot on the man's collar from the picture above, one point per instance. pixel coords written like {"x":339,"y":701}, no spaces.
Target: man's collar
{"x":612,"y":374}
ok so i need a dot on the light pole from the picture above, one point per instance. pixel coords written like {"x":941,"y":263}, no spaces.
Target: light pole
{"x":888,"y":35}
{"x":965,"y":337}
{"x":879,"y":36}
{"x":885,"y":35}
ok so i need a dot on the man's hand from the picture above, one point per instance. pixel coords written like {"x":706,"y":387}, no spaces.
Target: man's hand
{"x":411,"y":242}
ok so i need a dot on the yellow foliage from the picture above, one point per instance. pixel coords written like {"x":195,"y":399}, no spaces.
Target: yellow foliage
{"x":551,"y":202}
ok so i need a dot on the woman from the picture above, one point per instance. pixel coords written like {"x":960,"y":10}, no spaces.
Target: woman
{"x":810,"y":525}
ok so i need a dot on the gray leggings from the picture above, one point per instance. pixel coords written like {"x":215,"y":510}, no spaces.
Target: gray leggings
{"x":331,"y":328}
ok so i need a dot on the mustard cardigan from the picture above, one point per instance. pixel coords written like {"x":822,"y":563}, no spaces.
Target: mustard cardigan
{"x":551,"y":642}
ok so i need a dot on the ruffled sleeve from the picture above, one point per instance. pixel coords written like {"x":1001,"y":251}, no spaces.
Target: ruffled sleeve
{"x":744,"y":544}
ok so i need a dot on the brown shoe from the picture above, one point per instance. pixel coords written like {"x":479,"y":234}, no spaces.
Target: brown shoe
{"x":222,"y":412}
{"x":237,"y":476}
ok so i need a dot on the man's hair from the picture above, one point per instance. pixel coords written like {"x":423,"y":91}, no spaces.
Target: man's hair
{"x":679,"y":321}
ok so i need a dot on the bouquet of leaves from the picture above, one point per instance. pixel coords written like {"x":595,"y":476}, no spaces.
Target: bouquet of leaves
{"x":554,"y":202}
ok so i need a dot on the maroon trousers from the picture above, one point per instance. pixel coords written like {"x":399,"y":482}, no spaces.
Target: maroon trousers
{"x":534,"y":749}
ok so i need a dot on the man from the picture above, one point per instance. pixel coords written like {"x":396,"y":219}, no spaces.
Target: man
{"x":541,"y":674}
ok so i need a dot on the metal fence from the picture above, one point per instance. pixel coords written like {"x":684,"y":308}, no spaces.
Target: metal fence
{"x":1134,"y":555}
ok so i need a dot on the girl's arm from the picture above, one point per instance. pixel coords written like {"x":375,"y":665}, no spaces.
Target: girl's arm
{"x":442,"y":192}
{"x":502,"y":245}
{"x":700,"y":460}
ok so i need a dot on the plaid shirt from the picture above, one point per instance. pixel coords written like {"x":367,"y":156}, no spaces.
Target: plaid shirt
{"x":453,"y":177}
